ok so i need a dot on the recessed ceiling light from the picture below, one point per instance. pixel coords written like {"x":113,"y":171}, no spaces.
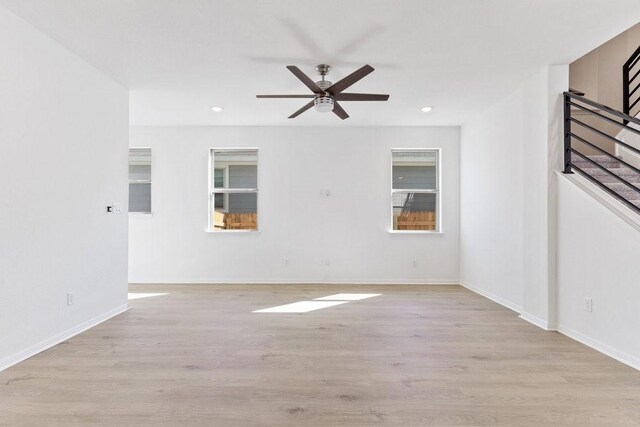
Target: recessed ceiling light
{"x":216,"y":109}
{"x":426,"y":109}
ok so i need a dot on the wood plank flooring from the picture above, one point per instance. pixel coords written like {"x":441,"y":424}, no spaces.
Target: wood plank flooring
{"x":415,"y":356}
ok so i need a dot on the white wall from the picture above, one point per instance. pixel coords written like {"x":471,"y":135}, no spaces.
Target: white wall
{"x":491,"y":223}
{"x":546,"y":244}
{"x":63,"y":158}
{"x":543,"y":139}
{"x":598,"y":258}
{"x":349,"y":228}
{"x":508,"y":156}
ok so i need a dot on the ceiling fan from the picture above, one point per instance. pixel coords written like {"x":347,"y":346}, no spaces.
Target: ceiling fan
{"x":327,"y":94}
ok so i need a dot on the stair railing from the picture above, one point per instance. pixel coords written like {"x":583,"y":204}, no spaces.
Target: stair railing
{"x":575,"y":101}
{"x":630,"y":84}
{"x":408,"y":203}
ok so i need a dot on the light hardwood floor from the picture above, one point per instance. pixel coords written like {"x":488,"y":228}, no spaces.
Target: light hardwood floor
{"x":415,"y":356}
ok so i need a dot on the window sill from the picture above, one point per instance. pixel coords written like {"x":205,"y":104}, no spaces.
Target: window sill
{"x":414,"y":232}
{"x":214,"y":231}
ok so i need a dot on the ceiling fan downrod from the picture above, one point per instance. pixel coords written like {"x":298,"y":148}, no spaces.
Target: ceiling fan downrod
{"x":323,"y":103}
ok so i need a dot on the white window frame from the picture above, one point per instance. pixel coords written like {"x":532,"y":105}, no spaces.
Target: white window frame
{"x":437,"y":191}
{"x":227,"y":191}
{"x":142,"y":181}
{"x":225,"y":179}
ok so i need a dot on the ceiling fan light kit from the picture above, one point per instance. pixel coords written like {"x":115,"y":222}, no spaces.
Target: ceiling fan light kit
{"x":323,"y":104}
{"x":327,"y":94}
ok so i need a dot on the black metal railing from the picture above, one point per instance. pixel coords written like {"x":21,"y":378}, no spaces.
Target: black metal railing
{"x":630,"y":85}
{"x":574,"y":102}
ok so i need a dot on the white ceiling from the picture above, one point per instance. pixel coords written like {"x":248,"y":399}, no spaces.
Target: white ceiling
{"x":180,"y":57}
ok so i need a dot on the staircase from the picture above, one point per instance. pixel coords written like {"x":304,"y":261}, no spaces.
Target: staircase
{"x":617,"y":173}
{"x":608,"y":180}
{"x":618,"y":176}
{"x":632,"y":139}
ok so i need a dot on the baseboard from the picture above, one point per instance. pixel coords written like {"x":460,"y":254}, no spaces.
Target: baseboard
{"x":58,"y":338}
{"x":305,"y":282}
{"x":506,"y":303}
{"x":535,"y":320}
{"x":618,"y":355}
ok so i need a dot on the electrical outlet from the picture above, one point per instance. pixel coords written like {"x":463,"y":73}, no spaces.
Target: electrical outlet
{"x":114,"y":208}
{"x":286,"y":262}
{"x":588,"y":305}
{"x":414,"y":263}
{"x":70,"y":298}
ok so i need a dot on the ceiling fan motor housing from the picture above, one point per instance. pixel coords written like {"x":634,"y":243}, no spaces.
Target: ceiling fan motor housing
{"x":324,"y":84}
{"x":323,"y":103}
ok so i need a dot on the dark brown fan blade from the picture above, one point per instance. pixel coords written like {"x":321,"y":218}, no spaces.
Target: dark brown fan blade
{"x":302,"y":110}
{"x":305,"y":79}
{"x":361,"y":97}
{"x":285,"y":96}
{"x":341,"y":85}
{"x":337,"y":109}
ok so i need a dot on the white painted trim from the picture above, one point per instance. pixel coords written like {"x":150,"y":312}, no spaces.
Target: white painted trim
{"x":58,"y":338}
{"x":437,"y":191}
{"x":210,"y":169}
{"x":306,"y":282}
{"x":624,"y":153}
{"x":535,"y":320}
{"x":414,"y":232}
{"x":508,"y":304}
{"x":618,"y":355}
{"x":214,"y":231}
{"x":150,"y":181}
{"x":608,"y":201}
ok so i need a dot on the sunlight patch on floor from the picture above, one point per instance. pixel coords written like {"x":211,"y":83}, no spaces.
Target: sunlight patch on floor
{"x":300,"y":307}
{"x":346,"y":297}
{"x":139,"y":295}
{"x":317,"y":303}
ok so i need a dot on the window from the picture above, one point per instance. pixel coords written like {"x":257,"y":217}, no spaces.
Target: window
{"x":415,"y":195}
{"x":218,"y":182}
{"x":140,"y":180}
{"x":233,"y":189}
